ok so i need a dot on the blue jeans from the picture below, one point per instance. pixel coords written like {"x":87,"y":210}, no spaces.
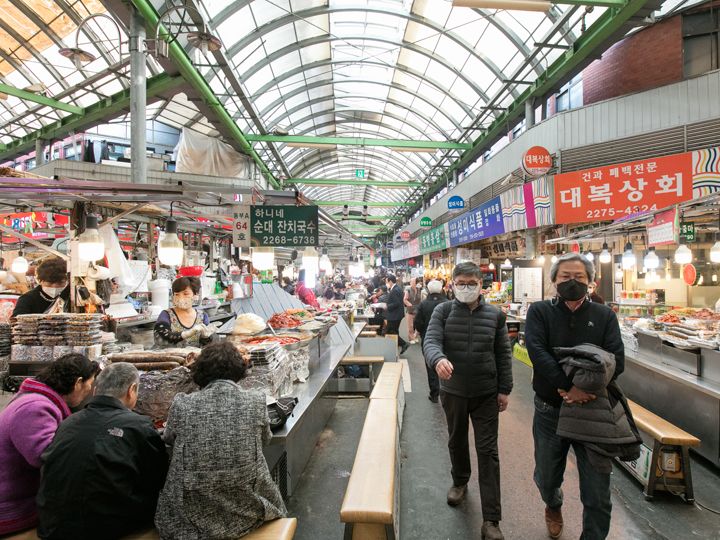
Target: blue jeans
{"x":550,"y":459}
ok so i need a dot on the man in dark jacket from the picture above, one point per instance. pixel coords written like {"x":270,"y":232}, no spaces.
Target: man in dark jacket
{"x":104,"y":470}
{"x":467,"y":344}
{"x":569,"y":320}
{"x":395,"y":312}
{"x":422,"y":319}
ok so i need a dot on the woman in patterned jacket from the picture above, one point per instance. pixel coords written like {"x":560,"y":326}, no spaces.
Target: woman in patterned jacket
{"x":219,"y":485}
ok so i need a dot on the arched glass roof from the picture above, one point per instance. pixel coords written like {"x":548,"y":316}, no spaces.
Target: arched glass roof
{"x":419,"y":70}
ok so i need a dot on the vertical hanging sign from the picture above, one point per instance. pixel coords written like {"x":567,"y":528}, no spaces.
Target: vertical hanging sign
{"x":241,"y":226}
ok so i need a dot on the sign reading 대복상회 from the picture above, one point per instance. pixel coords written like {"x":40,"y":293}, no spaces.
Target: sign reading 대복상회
{"x":613,"y":192}
{"x":537,"y":161}
{"x":284,"y":226}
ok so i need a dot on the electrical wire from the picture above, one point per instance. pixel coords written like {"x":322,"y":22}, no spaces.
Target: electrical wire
{"x":680,"y":494}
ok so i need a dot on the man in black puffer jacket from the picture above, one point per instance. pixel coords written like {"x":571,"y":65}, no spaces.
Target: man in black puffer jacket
{"x":421,"y":321}
{"x":467,"y":344}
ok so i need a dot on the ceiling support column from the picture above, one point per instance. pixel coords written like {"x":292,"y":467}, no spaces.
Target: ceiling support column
{"x":138,"y":99}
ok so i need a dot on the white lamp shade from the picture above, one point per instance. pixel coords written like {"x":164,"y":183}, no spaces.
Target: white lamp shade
{"x":683,"y":255}
{"x":605,"y":256}
{"x":589,"y":256}
{"x":651,"y":260}
{"x":170,"y":250}
{"x":20,"y":265}
{"x":263,"y":258}
{"x":506,"y":264}
{"x":91,"y":246}
{"x":553,"y":259}
{"x":491,"y":266}
{"x":715,"y":252}
{"x":628,"y":260}
{"x":541,"y":259}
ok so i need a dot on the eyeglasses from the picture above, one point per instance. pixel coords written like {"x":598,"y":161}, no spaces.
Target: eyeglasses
{"x":465,"y":286}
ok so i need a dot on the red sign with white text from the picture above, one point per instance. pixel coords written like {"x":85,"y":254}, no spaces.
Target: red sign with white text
{"x":405,"y":235}
{"x":663,"y":230}
{"x":617,"y":191}
{"x":537,"y":161}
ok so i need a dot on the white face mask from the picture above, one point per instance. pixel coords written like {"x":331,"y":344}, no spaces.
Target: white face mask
{"x":53,"y":292}
{"x":469,"y":296}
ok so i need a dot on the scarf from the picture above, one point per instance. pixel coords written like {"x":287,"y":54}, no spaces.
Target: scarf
{"x":31,"y":386}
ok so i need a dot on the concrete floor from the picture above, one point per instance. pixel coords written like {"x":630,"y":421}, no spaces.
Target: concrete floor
{"x":425,"y":478}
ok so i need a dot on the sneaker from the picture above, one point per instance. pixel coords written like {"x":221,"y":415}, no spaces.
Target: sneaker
{"x":554,"y":521}
{"x":456,"y":494}
{"x":491,"y":531}
{"x":404,"y":348}
{"x":433,"y":398}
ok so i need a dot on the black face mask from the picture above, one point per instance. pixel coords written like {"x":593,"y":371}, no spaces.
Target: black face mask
{"x":572,"y":290}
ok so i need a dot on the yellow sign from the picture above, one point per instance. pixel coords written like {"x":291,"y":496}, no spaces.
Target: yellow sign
{"x":521,"y":353}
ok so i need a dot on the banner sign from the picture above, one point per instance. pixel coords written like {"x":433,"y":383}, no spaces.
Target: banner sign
{"x":426,"y":222}
{"x":615,"y":191}
{"x":433,"y":240}
{"x":456,"y":203}
{"x":482,"y":222}
{"x":405,"y":235}
{"x":663,"y":230}
{"x":537,"y":161}
{"x":241,"y":226}
{"x":291,"y":226}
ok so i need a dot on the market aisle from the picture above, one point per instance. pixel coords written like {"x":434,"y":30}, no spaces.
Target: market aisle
{"x":425,"y":479}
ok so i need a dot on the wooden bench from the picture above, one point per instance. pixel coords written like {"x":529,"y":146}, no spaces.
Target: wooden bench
{"x":389,"y":386}
{"x":369,"y":362}
{"x":370,"y":509}
{"x":278,"y":529}
{"x":670,"y":446}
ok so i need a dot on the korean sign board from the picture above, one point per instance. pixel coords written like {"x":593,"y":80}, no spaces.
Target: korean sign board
{"x":537,"y":161}
{"x":663,"y":230}
{"x":482,"y":222}
{"x":433,"y":240}
{"x":241,"y":226}
{"x":617,"y":191}
{"x":456,"y":203}
{"x":291,"y":226}
{"x":687,"y":231}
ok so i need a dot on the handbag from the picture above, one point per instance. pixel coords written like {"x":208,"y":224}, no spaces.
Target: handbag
{"x":280,"y":411}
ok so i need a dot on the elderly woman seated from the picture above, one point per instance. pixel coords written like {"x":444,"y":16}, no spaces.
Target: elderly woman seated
{"x":219,"y":485}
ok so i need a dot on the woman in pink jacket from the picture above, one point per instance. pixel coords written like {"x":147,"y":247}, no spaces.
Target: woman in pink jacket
{"x":27,"y":427}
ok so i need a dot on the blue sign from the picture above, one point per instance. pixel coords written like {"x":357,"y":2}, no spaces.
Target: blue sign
{"x":456,"y":203}
{"x":482,"y":222}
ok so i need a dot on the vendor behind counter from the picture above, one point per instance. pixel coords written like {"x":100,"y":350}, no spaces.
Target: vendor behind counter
{"x":183,"y":325}
{"x":52,"y":276}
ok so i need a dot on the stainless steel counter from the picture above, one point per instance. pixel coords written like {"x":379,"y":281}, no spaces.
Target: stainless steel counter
{"x":688,"y":401}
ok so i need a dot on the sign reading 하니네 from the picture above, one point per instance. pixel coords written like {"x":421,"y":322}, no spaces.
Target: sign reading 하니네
{"x":537,"y":161}
{"x":241,"y":226}
{"x":615,"y":191}
{"x":482,"y":222}
{"x":663,"y":230}
{"x":284,"y":226}
{"x":456,"y":203}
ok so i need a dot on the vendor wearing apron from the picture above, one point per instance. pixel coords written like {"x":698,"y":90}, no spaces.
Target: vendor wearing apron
{"x":183,"y":325}
{"x":52,"y":276}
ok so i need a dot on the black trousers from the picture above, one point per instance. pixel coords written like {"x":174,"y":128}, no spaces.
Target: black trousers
{"x":393,"y":328}
{"x":483,"y":412}
{"x":433,"y":379}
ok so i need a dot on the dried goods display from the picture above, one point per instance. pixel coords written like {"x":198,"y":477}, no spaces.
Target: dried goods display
{"x":158,"y":389}
{"x":282,"y":340}
{"x":270,"y":370}
{"x":163,"y":359}
{"x":5,"y":339}
{"x":248,"y":324}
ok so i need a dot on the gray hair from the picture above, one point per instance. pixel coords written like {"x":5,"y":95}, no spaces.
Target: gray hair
{"x":572,"y":257}
{"x":467,"y":269}
{"x":116,"y":379}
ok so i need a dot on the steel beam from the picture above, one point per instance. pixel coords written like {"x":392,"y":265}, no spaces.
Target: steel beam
{"x":358,"y":141}
{"x":340,"y":217}
{"x":354,"y":182}
{"x":388,"y":204}
{"x":38,"y":98}
{"x":138,"y":100}
{"x":198,"y":82}
{"x":103,"y":110}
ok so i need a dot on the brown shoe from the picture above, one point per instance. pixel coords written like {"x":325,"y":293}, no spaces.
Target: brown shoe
{"x":456,"y":494}
{"x":554,"y":521}
{"x":491,"y":531}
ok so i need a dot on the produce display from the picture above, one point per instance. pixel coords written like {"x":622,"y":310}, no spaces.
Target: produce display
{"x":300,"y":314}
{"x":282,"y":340}
{"x":685,"y":328}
